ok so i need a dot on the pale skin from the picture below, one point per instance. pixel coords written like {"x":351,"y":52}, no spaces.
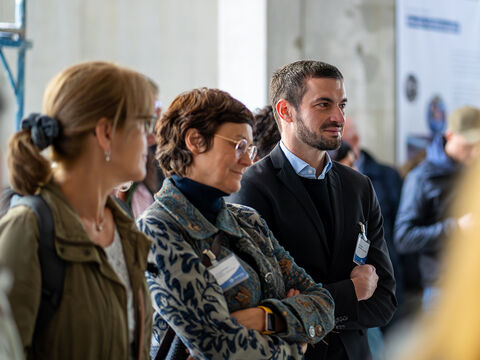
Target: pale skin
{"x":323,"y":112}
{"x":87,"y":194}
{"x":219,"y":167}
{"x":458,"y":149}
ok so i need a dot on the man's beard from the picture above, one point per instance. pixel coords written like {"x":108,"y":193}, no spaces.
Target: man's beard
{"x":319,"y":142}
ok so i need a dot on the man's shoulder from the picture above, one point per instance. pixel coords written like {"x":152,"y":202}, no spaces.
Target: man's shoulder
{"x":261,"y":170}
{"x":422,"y":170}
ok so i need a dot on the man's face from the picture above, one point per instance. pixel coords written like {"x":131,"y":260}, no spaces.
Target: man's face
{"x":461,"y":150}
{"x":320,"y":117}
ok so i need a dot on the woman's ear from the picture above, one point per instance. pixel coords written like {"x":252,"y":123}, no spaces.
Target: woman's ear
{"x":194,"y":141}
{"x":104,"y":133}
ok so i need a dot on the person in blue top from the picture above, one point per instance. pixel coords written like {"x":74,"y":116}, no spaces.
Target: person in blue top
{"x":224,"y":284}
{"x":423,"y":220}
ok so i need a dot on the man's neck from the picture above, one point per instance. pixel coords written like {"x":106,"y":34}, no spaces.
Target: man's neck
{"x":312,"y":156}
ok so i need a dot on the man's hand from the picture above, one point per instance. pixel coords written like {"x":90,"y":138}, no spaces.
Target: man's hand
{"x":365,"y":279}
{"x":292,"y":292}
{"x":465,"y":222}
{"x":252,"y":318}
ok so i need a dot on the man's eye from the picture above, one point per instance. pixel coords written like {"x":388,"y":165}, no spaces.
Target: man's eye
{"x":342,"y":106}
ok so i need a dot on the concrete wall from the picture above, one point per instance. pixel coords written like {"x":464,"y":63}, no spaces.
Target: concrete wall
{"x":172,"y":41}
{"x":357,"y":37}
{"x":176,"y":42}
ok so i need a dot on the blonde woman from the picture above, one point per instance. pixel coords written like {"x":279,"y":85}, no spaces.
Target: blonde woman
{"x":96,"y":117}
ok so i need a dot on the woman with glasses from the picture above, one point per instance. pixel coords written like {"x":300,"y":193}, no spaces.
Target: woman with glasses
{"x":222,"y":282}
{"x":139,"y":195}
{"x":96,"y":117}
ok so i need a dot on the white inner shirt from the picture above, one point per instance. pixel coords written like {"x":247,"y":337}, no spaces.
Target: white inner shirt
{"x":116,"y":258}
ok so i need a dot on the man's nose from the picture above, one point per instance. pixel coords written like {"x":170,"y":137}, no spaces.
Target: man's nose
{"x":338,"y":115}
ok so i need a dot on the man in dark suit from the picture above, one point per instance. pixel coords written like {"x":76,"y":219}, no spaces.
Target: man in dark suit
{"x":318,"y":209}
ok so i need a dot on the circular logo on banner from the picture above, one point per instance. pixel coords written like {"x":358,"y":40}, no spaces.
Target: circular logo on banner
{"x":411,"y":87}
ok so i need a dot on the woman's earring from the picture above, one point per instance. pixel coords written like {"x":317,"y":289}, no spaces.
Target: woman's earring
{"x":125,"y":186}
{"x":107,"y":155}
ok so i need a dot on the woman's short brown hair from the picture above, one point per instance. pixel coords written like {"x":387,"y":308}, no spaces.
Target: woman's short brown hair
{"x":202,"y":109}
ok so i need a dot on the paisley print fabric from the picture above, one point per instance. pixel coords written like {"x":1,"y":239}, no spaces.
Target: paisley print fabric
{"x":187,"y":297}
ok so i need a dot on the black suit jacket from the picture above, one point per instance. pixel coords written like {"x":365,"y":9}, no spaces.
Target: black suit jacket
{"x":272,"y":187}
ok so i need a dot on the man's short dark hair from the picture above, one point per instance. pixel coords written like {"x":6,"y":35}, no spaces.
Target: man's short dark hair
{"x":289,"y":82}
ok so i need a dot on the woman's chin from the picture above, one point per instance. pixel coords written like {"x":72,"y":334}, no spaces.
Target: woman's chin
{"x":234,"y":188}
{"x":229,"y":188}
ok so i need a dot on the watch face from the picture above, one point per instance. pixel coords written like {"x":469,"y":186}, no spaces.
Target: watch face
{"x":270,"y":322}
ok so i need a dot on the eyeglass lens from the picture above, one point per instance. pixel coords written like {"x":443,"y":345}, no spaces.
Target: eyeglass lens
{"x":242,"y":148}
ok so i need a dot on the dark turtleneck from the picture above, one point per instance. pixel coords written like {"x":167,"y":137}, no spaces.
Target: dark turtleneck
{"x":207,"y":199}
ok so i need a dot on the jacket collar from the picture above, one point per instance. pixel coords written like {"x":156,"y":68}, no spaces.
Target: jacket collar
{"x":304,"y":169}
{"x":442,"y":163}
{"x":190,"y":218}
{"x":69,"y":230}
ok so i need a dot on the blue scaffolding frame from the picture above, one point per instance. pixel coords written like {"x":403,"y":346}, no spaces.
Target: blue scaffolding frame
{"x":13,"y":36}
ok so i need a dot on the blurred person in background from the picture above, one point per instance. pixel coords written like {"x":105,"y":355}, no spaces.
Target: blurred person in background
{"x":424,"y":221}
{"x":96,"y":117}
{"x":450,"y":329}
{"x":265,"y":132}
{"x":344,"y":155}
{"x":268,"y":307}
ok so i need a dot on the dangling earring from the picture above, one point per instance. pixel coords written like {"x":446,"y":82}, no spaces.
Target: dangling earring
{"x":125,"y":186}
{"x":107,"y":155}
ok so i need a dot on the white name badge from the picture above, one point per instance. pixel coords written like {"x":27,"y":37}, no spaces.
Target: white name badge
{"x":228,"y":272}
{"x":361,"y":251}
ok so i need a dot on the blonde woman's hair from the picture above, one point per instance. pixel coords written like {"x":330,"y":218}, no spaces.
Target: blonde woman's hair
{"x":77,"y":98}
{"x":451,"y":330}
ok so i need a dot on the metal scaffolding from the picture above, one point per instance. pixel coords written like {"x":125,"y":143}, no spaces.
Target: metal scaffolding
{"x":12,"y":35}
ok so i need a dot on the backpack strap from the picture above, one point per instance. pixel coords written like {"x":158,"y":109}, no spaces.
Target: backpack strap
{"x":52,"y":267}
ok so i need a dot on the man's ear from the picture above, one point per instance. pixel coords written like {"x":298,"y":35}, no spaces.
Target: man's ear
{"x":194,"y":141}
{"x":284,"y":110}
{"x":104,"y":133}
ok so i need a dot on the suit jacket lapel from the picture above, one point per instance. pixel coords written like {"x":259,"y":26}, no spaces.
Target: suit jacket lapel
{"x":290,"y":179}
{"x":337,"y":199}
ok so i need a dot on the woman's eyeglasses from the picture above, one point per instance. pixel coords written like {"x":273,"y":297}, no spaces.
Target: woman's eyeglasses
{"x":150,"y":122}
{"x":241,"y":147}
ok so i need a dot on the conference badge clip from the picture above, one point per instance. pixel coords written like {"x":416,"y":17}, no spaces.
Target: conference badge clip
{"x":363,"y":245}
{"x":228,"y":272}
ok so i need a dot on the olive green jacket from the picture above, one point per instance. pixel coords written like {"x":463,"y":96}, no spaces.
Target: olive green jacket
{"x":91,"y":321}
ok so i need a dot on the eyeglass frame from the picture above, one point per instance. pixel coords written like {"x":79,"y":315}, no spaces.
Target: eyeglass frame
{"x":251,"y":150}
{"x":150,"y":122}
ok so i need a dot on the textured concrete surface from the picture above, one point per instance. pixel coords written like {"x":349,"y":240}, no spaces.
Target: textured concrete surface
{"x":176,"y":42}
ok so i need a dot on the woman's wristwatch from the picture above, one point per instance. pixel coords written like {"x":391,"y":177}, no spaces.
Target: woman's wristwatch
{"x":269,"y":320}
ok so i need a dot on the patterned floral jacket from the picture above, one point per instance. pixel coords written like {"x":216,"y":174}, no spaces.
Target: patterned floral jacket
{"x":189,"y":299}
